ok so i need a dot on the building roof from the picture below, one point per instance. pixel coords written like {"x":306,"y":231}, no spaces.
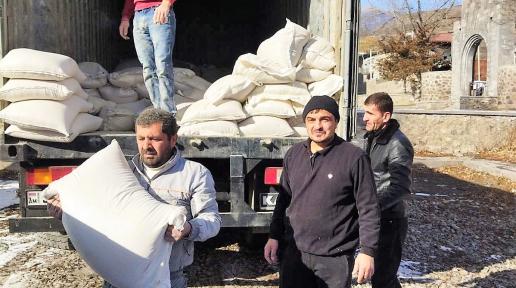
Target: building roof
{"x":443,"y":37}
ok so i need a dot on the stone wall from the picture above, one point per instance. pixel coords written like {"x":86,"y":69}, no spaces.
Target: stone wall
{"x":436,"y":86}
{"x":457,"y":134}
{"x":507,"y":87}
{"x":479,"y":103}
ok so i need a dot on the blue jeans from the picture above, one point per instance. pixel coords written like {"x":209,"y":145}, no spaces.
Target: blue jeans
{"x":154,"y":44}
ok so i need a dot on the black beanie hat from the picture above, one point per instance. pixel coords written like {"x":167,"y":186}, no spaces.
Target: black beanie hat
{"x":322,"y":102}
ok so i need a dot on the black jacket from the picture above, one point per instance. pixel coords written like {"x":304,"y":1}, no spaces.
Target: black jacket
{"x":391,"y":156}
{"x":331,"y":200}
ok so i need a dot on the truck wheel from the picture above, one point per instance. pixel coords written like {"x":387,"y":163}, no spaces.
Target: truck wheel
{"x":55,"y":240}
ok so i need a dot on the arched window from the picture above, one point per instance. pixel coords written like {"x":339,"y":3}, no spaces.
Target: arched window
{"x":479,"y":73}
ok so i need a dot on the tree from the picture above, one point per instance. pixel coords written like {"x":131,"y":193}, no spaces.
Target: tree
{"x":409,"y":49}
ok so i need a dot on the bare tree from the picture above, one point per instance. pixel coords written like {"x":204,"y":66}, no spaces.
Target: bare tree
{"x":407,"y":45}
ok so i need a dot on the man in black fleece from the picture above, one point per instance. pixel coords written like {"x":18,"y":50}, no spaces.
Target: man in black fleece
{"x":391,"y":159}
{"x":328,"y":196}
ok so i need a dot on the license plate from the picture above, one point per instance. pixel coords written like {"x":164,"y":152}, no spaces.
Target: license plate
{"x":35,"y":198}
{"x":268,"y":201}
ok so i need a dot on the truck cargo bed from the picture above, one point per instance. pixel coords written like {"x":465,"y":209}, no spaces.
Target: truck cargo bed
{"x":19,"y":150}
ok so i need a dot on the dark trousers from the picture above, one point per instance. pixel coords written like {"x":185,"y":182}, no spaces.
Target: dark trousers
{"x":303,"y":270}
{"x":388,"y":258}
{"x":293,"y":273}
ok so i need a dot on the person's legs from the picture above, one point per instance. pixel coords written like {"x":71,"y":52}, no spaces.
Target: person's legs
{"x":331,"y":272}
{"x":163,"y":38}
{"x":145,"y":51}
{"x":293,"y":273}
{"x":178,"y":279}
{"x":388,"y":258}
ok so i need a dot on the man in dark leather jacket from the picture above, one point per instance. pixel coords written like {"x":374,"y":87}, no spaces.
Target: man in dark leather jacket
{"x":391,"y":156}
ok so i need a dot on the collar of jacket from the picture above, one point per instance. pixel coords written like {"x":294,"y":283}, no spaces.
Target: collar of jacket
{"x":336,"y":140}
{"x":139,"y":165}
{"x":384,"y":135}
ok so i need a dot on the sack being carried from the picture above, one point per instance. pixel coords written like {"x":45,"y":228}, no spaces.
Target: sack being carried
{"x":116,"y":226}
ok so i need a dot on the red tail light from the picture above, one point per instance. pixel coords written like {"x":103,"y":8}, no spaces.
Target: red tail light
{"x":272,"y":175}
{"x":45,"y":175}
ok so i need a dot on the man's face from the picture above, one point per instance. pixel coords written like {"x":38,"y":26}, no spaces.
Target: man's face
{"x":320,"y":125}
{"x":374,"y":119}
{"x":155,"y":147}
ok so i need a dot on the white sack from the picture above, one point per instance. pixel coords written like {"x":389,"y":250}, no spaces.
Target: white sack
{"x":285,"y":46}
{"x":126,"y":78}
{"x":191,"y":92}
{"x":328,"y":86}
{"x":202,"y":111}
{"x":182,"y":105}
{"x":265,"y":126}
{"x":276,"y":108}
{"x":308,"y":75}
{"x":142,"y":91}
{"x":96,"y":75}
{"x":263,"y":71}
{"x":210,"y":129}
{"x":298,"y":125}
{"x":116,"y":226}
{"x":92,"y":93}
{"x":118,"y":95}
{"x":298,"y":108}
{"x":295,"y":91}
{"x":99,"y":103}
{"x":83,"y":123}
{"x":26,"y":89}
{"x":117,"y":119}
{"x":318,"y":53}
{"x":45,"y":114}
{"x":230,"y":87}
{"x":183,"y":74}
{"x":196,"y":82}
{"x":33,"y":64}
{"x":136,"y":107}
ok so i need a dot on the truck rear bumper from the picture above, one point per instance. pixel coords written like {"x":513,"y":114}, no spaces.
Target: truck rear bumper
{"x":50,"y":224}
{"x":35,"y":224}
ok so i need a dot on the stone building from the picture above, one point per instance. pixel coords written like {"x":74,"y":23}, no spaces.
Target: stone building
{"x":484,"y":56}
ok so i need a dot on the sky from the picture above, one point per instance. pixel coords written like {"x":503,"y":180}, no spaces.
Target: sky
{"x":387,"y":4}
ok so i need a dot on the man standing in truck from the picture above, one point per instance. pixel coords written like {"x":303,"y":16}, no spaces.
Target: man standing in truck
{"x":154,"y":32}
{"x":327,"y":193}
{"x":391,"y":159}
{"x":170,"y":178}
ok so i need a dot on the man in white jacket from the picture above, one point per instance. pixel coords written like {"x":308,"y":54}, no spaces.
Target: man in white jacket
{"x":171,"y":179}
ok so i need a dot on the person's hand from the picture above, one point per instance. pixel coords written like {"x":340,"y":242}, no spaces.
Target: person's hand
{"x":123,"y":29}
{"x":54,"y":207}
{"x":161,"y":13}
{"x":172,"y":234}
{"x":364,"y":268}
{"x":270,"y":251}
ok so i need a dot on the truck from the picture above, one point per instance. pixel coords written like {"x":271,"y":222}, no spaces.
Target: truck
{"x":246,"y":170}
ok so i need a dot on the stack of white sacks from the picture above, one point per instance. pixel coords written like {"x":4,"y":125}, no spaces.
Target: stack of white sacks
{"x":266,"y":93}
{"x":119,"y":97}
{"x":47,"y":101}
{"x":55,"y":99}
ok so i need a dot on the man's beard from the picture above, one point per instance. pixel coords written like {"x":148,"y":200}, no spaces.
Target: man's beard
{"x":158,"y":160}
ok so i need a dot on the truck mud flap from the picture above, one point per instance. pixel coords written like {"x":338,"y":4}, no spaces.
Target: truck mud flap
{"x":35,"y":224}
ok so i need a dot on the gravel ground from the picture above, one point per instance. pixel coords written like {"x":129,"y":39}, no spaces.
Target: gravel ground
{"x":461,"y":234}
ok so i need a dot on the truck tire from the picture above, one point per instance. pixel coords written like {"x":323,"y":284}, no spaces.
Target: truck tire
{"x":55,"y":240}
